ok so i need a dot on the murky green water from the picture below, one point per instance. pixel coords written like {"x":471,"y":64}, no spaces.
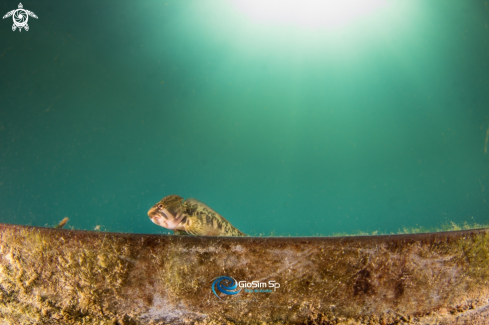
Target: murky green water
{"x":289,"y":120}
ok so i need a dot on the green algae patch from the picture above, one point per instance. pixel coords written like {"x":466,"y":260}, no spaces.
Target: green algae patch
{"x":47,"y":280}
{"x":473,"y":253}
{"x":449,"y":226}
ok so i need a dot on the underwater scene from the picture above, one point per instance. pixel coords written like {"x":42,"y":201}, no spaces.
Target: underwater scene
{"x":288,"y":118}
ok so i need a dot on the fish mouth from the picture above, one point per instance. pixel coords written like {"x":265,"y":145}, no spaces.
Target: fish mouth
{"x":158,"y":218}
{"x":163,"y":219}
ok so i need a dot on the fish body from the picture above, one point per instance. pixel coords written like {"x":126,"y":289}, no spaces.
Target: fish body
{"x":190,"y":217}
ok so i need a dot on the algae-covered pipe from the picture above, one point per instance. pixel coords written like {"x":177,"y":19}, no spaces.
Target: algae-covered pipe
{"x":56,"y":276}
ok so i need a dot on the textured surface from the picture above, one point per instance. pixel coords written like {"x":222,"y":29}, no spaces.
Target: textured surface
{"x":88,"y":277}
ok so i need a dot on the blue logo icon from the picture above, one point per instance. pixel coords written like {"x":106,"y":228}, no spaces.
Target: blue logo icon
{"x":226,"y":285}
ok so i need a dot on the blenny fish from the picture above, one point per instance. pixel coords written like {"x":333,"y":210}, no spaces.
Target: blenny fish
{"x":190,"y":217}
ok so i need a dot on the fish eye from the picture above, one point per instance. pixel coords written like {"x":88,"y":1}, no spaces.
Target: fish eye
{"x":160,"y":206}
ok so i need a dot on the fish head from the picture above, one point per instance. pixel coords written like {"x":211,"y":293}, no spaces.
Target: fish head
{"x":167,"y":213}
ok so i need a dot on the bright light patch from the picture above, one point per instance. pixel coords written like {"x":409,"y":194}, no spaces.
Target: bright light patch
{"x":308,"y":13}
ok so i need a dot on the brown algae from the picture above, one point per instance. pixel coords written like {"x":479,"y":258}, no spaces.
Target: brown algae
{"x":52,"y":276}
{"x":48,"y":279}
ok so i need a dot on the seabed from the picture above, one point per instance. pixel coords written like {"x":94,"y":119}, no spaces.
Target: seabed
{"x":57,"y":276}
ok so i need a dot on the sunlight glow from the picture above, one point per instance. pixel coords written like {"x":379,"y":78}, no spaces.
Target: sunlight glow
{"x":308,"y":13}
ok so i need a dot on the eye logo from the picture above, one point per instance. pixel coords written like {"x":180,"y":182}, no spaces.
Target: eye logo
{"x":226,"y":285}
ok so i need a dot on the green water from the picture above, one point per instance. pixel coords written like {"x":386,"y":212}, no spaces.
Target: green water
{"x":374,"y":122}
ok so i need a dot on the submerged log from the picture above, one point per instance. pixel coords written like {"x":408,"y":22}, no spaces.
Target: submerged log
{"x":53,"y":276}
